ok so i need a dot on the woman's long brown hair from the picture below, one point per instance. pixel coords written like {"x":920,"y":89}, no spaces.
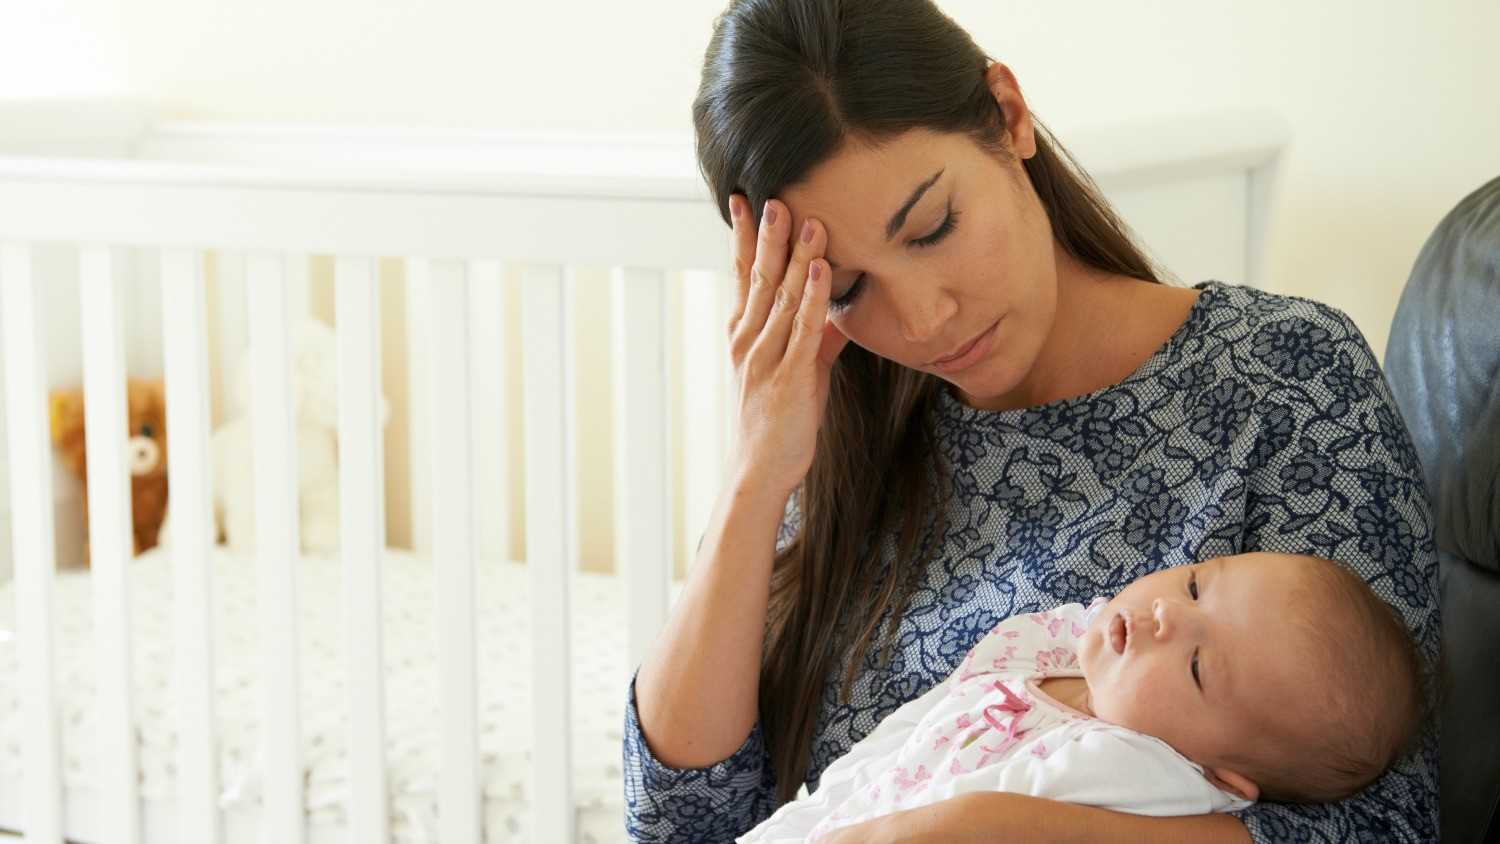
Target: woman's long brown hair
{"x":785,"y":84}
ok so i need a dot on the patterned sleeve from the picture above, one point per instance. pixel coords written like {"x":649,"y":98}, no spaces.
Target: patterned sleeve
{"x":712,"y":804}
{"x":1335,"y":474}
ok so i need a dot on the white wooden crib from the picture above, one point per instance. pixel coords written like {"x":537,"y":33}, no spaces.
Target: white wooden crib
{"x":98,"y":202}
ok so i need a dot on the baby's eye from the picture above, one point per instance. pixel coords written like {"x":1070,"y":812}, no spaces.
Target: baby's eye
{"x":1196,"y":682}
{"x":1193,"y":590}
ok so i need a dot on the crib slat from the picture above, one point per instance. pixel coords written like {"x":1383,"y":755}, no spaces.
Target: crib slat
{"x":443,"y":306}
{"x":418,"y":390}
{"x":276,"y":545}
{"x":184,"y":321}
{"x":643,"y":456}
{"x":705,"y":355}
{"x":231,"y":334}
{"x":362,"y":540}
{"x":110,"y":533}
{"x":549,"y":414}
{"x":32,"y":538}
{"x":487,"y":380}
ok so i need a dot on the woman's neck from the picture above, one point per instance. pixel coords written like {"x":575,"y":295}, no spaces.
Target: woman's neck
{"x":1076,"y":358}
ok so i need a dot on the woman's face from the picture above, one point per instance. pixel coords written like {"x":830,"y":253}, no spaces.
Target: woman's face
{"x":933,"y":241}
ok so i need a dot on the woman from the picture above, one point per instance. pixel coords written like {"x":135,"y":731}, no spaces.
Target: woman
{"x":1024,"y":418}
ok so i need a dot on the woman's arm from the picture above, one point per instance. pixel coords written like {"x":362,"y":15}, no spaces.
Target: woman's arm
{"x":735,"y":790}
{"x":696,"y":691}
{"x":984,"y":817}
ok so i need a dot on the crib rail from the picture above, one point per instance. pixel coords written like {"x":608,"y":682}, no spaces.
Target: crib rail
{"x":110,"y":535}
{"x":31,"y":484}
{"x":185,"y":355}
{"x":521,"y":219}
{"x":361,"y":480}
{"x":443,"y":311}
{"x":456,"y":236}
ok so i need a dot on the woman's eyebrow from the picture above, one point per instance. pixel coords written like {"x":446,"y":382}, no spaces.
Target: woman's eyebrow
{"x":898,"y":219}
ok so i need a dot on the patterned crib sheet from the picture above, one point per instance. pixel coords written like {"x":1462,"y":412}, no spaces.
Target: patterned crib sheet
{"x":412,"y":702}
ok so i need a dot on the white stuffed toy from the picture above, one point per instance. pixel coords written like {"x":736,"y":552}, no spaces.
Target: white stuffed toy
{"x":314,"y":385}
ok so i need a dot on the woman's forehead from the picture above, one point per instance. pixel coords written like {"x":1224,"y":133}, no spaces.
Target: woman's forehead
{"x":869,"y":177}
{"x":865,"y":195}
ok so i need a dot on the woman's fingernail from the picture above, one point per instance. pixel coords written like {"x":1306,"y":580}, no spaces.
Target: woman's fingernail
{"x":770,"y":214}
{"x":807,"y":232}
{"x":734,"y":208}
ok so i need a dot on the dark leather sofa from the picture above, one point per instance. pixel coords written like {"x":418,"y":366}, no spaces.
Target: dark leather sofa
{"x":1443,"y":363}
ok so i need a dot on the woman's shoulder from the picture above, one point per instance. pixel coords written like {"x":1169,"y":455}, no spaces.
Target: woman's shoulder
{"x":1256,"y":316}
{"x":1275,"y":338}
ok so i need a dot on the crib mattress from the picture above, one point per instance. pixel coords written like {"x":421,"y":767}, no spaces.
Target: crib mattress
{"x":413,"y":718}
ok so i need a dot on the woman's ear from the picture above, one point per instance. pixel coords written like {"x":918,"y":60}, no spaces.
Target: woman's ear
{"x":1007,"y":93}
{"x":1232,"y":781}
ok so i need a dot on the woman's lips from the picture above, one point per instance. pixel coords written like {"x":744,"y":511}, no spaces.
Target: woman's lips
{"x":955,"y":355}
{"x":969,"y":354}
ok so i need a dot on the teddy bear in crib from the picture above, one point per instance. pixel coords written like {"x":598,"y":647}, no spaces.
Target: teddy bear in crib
{"x":145,"y":453}
{"x":314,"y":387}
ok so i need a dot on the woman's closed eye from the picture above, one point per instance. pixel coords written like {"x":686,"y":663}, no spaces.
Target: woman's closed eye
{"x":942,"y":231}
{"x":841,"y":303}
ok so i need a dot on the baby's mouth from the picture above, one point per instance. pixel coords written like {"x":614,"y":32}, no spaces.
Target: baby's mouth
{"x":1119,"y":632}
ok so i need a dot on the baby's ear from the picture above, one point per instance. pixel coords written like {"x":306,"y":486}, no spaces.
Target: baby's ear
{"x":1233,"y":782}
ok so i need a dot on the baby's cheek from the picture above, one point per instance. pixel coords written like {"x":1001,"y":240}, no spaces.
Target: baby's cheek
{"x":1124,"y":701}
{"x":1088,"y":664}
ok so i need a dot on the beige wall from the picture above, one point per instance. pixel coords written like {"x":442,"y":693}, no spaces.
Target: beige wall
{"x":1391,"y":103}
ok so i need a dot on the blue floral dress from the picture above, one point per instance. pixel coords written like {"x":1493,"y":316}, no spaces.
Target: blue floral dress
{"x":1263,"y":423}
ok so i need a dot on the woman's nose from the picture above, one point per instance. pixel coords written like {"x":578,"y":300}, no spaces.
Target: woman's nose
{"x":922,"y":318}
{"x":921,"y":329}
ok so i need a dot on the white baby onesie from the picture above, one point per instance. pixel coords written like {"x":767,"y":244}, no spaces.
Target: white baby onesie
{"x":988,"y":727}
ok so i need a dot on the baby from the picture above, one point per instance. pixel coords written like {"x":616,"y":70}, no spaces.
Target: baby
{"x":1200,"y":688}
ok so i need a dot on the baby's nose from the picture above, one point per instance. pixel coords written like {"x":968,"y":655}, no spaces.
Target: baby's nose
{"x":1159,"y":618}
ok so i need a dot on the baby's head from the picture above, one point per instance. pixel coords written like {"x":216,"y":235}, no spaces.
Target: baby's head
{"x":1284,"y":676}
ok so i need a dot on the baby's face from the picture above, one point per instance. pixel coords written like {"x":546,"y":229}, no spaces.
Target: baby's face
{"x":1197,"y":655}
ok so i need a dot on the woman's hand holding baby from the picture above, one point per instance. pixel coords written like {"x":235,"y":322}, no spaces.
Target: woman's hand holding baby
{"x":881,"y":830}
{"x":949,"y":821}
{"x":985,"y":816}
{"x":781,"y":343}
